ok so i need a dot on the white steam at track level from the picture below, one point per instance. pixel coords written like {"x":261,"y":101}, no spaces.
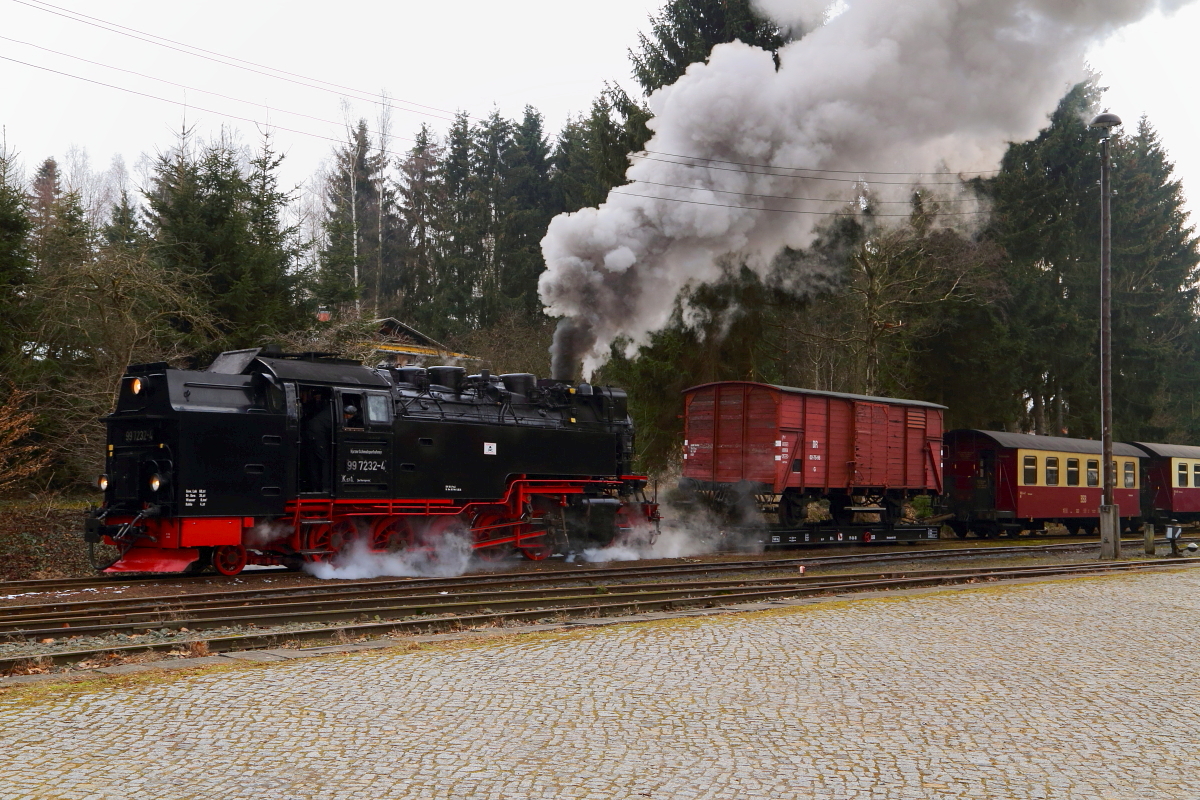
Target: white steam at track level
{"x":920,"y":91}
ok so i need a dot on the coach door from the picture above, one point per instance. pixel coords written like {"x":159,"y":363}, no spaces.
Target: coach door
{"x":984,"y":495}
{"x":363,"y":466}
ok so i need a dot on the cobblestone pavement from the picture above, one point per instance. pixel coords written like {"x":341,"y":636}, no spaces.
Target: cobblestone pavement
{"x":1076,"y":689}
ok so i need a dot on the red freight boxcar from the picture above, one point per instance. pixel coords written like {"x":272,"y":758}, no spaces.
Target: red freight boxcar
{"x":1171,"y":482}
{"x":1006,"y":482}
{"x":790,"y":447}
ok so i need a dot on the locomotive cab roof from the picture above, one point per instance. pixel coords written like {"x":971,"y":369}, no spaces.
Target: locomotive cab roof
{"x":306,"y":367}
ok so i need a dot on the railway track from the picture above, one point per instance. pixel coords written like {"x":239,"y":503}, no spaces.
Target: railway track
{"x":428,"y":605}
{"x":34,"y":586}
{"x":177,"y":602}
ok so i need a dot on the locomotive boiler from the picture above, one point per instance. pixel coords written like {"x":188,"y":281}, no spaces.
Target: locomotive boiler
{"x":270,"y":458}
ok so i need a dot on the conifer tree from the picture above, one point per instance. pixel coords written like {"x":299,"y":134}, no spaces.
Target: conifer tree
{"x":685,"y":32}
{"x":15,"y":271}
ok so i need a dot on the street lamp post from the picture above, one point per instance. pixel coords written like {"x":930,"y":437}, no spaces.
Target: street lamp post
{"x":1110,"y":514}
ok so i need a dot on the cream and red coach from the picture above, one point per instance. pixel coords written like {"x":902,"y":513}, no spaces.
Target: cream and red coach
{"x":782,"y":449}
{"x":215,"y":467}
{"x":1171,"y":488}
{"x":999,"y":482}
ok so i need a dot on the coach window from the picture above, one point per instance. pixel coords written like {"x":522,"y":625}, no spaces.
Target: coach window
{"x":1130,"y":474}
{"x":1072,"y":472}
{"x":1030,"y":471}
{"x":1183,"y":474}
{"x":1093,"y":472}
{"x":1052,"y":470}
{"x":1196,"y":474}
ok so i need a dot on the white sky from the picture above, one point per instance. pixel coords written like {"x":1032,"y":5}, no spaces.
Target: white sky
{"x":453,"y":54}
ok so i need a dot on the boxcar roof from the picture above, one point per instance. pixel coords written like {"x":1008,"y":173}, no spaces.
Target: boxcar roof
{"x":793,"y":390}
{"x":1061,"y":444}
{"x":1169,"y":450}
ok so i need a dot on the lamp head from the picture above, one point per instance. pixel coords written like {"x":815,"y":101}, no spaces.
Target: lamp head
{"x":1106,"y":120}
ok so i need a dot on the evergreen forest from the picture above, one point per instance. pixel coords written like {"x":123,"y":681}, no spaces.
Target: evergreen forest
{"x":210,"y":252}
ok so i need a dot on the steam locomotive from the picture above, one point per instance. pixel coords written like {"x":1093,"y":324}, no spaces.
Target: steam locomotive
{"x":271,"y":458}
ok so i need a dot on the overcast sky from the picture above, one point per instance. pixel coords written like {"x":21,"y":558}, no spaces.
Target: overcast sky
{"x":448,"y":55}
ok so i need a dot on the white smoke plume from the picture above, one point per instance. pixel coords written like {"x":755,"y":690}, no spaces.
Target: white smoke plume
{"x":888,"y":93}
{"x":446,"y":557}
{"x":693,"y":533}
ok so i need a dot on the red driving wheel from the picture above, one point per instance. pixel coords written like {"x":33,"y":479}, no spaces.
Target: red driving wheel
{"x":391,"y":534}
{"x":317,"y":543}
{"x":342,"y":536}
{"x":484,"y":529}
{"x":229,"y":559}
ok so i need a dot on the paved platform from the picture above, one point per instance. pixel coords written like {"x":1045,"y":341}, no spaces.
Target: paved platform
{"x":1073,"y":689}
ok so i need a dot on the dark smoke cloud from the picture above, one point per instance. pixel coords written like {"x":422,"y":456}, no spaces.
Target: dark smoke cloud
{"x":898,"y":86}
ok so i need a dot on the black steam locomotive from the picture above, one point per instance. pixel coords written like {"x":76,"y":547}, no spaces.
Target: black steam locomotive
{"x":273,"y":458}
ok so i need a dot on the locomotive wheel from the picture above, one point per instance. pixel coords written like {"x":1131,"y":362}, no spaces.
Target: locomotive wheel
{"x":342,"y":536}
{"x":482,"y":530}
{"x":539,"y":549}
{"x":229,"y":559}
{"x":318,"y":538}
{"x":392,"y":535}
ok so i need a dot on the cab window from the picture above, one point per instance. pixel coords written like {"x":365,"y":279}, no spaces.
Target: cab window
{"x":352,"y":411}
{"x":1183,"y":474}
{"x":379,"y":409}
{"x":1093,"y":472}
{"x":1072,"y":472}
{"x":1130,"y":474}
{"x":1052,"y":470}
{"x":1030,"y":477}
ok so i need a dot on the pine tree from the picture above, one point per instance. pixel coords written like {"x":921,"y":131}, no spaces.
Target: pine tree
{"x":420,"y":200}
{"x":124,"y":228}
{"x":15,"y":262}
{"x":216,"y":223}
{"x":528,"y":210}
{"x":350,"y":258}
{"x":1046,"y":215}
{"x":685,"y":32}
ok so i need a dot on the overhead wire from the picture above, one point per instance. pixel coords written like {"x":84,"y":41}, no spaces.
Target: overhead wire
{"x":806,"y":169}
{"x":616,"y":190}
{"x":782,"y":210}
{"x":179,"y":85}
{"x":310,"y":82}
{"x":183,"y":103}
{"x":209,"y":55}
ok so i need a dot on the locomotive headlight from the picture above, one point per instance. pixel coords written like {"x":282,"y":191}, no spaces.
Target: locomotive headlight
{"x":135,"y":386}
{"x":155,"y":482}
{"x":102,"y":483}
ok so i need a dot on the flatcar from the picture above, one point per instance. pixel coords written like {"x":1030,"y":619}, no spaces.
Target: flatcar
{"x":1171,"y":482}
{"x":780,"y":449}
{"x":268,"y":458}
{"x":999,"y":482}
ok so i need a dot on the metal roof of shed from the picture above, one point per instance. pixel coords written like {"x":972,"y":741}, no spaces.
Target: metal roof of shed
{"x":818,"y":393}
{"x":1169,"y":450}
{"x":1029,"y":441}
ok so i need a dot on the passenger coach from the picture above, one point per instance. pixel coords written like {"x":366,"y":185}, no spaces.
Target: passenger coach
{"x":1171,"y":482}
{"x":1000,"y":482}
